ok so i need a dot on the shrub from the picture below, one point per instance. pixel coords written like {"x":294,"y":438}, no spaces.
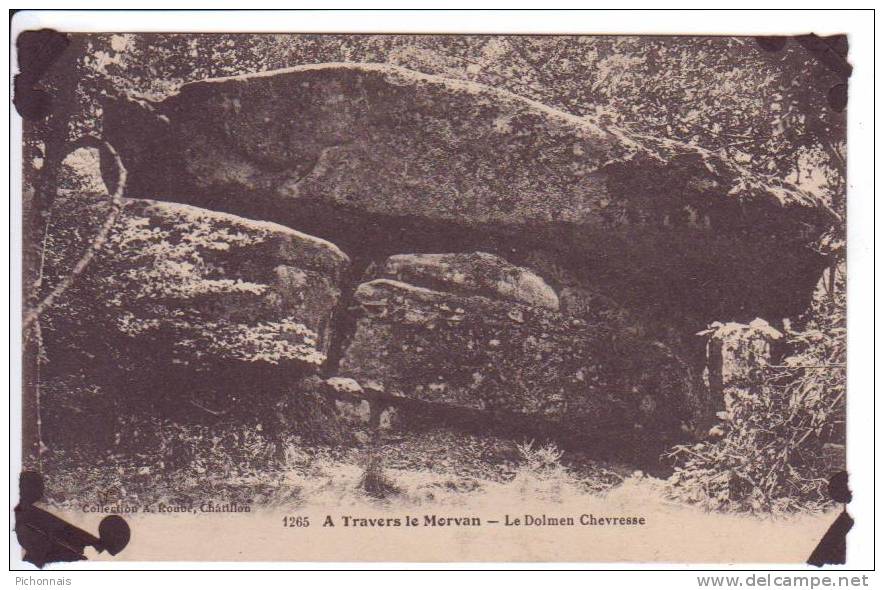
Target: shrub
{"x":374,"y":481}
{"x":541,"y":475}
{"x":542,"y":460}
{"x":784,"y":436}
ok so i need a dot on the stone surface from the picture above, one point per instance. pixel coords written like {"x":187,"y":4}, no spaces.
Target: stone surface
{"x":471,"y":273}
{"x":735,"y":354}
{"x":382,"y":159}
{"x":176,"y":290}
{"x":304,"y":411}
{"x":250,"y":291}
{"x":502,"y":358}
{"x":357,"y":408}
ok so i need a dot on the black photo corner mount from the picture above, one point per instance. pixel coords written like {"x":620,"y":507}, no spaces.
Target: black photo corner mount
{"x":46,"y":538}
{"x":831,"y":51}
{"x":832,"y":548}
{"x":37,"y":51}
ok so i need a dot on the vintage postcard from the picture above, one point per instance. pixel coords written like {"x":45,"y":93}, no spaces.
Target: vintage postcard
{"x":432,"y":298}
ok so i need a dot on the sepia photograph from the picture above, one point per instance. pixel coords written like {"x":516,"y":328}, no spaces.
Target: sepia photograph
{"x":432,"y":297}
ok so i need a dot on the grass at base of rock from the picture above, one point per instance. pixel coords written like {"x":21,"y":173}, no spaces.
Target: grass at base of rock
{"x":247,"y":468}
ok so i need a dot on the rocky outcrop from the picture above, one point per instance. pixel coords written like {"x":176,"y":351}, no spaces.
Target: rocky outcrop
{"x":521,"y":262}
{"x":384,"y":160}
{"x":482,"y":350}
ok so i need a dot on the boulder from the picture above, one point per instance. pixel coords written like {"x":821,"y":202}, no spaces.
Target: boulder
{"x":181,"y":298}
{"x":381,"y":159}
{"x":735,"y":355}
{"x":311,"y":417}
{"x":507,"y":359}
{"x":358,"y":409}
{"x":238,"y":289}
{"x":477,"y":273}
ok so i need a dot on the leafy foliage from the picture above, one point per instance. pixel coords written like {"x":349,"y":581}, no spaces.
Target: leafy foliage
{"x":541,"y":474}
{"x":541,"y":459}
{"x":784,"y":437}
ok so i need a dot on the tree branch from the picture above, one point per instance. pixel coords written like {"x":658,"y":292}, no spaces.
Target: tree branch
{"x":32,"y":314}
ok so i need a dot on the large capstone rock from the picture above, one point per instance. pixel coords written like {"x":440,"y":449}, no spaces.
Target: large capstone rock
{"x":500,"y":357}
{"x":381,"y":159}
{"x":180,"y":298}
